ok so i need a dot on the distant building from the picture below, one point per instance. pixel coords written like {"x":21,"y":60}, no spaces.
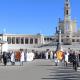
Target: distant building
{"x":22,"y":41}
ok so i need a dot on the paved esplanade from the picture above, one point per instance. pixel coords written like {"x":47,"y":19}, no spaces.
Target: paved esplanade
{"x":38,"y":70}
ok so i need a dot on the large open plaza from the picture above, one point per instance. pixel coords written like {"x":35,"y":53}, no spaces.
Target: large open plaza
{"x":39,"y":70}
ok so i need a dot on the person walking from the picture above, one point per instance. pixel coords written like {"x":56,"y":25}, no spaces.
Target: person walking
{"x":4,"y":58}
{"x":75,"y":61}
{"x":17,"y":56}
{"x":46,"y":54}
{"x":12,"y":58}
{"x":51,"y":55}
{"x":55,"y":59}
{"x":22,"y":57}
{"x":66,"y":58}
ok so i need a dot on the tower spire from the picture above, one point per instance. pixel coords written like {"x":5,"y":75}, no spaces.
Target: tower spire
{"x":67,"y":10}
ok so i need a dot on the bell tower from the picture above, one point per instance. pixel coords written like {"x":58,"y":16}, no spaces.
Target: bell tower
{"x":67,"y":11}
{"x":67,"y":23}
{"x":67,"y":17}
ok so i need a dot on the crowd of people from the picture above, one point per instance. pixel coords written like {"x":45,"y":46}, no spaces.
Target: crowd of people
{"x":70,"y":56}
{"x":22,"y":56}
{"x":16,"y":56}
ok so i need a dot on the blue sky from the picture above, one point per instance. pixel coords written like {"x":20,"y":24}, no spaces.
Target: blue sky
{"x":34,"y":16}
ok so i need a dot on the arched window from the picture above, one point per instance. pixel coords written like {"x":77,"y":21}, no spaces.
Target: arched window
{"x":67,"y":12}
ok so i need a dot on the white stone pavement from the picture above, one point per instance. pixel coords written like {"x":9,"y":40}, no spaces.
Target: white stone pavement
{"x":38,"y":70}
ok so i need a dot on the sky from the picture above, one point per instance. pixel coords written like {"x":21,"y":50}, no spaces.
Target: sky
{"x":34,"y":16}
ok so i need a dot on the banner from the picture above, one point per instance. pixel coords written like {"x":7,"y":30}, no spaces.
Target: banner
{"x":60,"y":55}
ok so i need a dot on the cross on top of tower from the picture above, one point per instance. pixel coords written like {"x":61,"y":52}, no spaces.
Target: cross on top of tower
{"x":67,"y":0}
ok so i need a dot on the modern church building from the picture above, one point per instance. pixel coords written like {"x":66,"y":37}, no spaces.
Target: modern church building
{"x":70,"y":37}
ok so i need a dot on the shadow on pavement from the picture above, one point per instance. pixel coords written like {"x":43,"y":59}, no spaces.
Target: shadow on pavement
{"x":62,"y":73}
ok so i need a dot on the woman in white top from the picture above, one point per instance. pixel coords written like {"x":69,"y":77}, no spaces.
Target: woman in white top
{"x":13,"y":58}
{"x":66,"y":57}
{"x":22,"y":57}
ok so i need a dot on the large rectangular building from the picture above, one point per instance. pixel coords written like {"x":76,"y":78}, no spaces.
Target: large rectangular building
{"x":21,"y":41}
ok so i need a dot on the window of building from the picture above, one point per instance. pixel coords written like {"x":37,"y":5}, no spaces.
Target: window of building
{"x":61,"y":40}
{"x":67,"y":5}
{"x":18,"y":40}
{"x":67,"y":36}
{"x":48,"y":39}
{"x":22,"y":40}
{"x":78,"y":40}
{"x":66,"y":12}
{"x":73,"y":40}
{"x":36,"y":41}
{"x":9,"y":40}
{"x":13,"y":40}
{"x":31,"y":41}
{"x":26,"y":40}
{"x":57,"y":40}
{"x":45,"y":39}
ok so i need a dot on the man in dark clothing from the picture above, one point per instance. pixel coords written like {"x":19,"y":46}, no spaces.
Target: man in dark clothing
{"x":4,"y":58}
{"x":75,"y":61}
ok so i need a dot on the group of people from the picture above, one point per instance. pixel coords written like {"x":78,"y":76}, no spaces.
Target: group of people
{"x":67,"y":57}
{"x":58,"y":56}
{"x":17,"y":56}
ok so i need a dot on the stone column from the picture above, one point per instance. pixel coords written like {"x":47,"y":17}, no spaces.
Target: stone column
{"x":59,"y":40}
{"x":59,"y":34}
